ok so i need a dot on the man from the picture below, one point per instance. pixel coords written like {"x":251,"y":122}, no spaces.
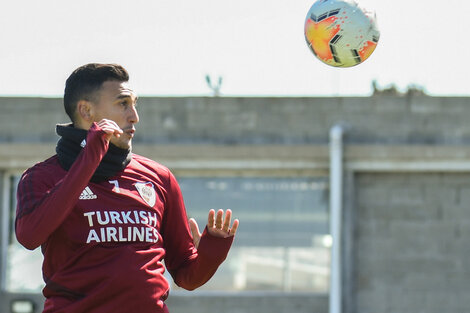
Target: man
{"x":106,"y":218}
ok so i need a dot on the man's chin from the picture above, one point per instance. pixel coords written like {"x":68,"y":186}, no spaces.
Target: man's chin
{"x":122,"y":144}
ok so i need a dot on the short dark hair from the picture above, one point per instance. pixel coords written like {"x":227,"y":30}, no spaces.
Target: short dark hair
{"x":86,"y":80}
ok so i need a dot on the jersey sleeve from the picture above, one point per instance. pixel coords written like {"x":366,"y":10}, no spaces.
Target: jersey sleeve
{"x":43,"y":203}
{"x":189,"y":267}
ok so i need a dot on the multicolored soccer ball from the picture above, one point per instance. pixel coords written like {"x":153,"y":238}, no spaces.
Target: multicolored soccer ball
{"x":340,"y":33}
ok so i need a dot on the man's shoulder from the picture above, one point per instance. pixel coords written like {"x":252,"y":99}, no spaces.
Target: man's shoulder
{"x":47,"y":170}
{"x":47,"y":165}
{"x":150,"y":164}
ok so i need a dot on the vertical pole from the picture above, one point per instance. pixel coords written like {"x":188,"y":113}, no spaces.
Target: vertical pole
{"x":336,"y":197}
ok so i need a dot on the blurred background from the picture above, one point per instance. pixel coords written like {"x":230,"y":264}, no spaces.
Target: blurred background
{"x":258,"y":47}
{"x":351,"y":184}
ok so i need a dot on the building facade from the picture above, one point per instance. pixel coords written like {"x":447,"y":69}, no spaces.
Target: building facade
{"x":405,"y":201}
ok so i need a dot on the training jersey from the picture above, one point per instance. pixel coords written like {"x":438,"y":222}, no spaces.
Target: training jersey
{"x":104,"y":243}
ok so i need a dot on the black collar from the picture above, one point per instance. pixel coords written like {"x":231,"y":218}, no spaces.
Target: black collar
{"x":69,"y":147}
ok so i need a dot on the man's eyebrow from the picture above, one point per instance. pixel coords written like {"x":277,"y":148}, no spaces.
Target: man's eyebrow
{"x":125,"y":96}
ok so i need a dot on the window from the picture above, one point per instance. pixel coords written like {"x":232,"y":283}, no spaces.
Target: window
{"x":282,"y":243}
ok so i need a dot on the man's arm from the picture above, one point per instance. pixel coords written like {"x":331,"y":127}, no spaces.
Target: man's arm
{"x":42,"y":208}
{"x":212,"y":251}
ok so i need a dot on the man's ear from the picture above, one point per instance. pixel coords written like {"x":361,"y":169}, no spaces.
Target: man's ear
{"x":85,"y":111}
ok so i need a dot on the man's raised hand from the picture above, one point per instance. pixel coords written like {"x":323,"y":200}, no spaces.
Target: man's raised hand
{"x":217,"y":225}
{"x":110,"y":128}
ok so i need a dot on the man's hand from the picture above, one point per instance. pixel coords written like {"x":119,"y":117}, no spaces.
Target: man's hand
{"x":110,"y":128}
{"x":216,"y":225}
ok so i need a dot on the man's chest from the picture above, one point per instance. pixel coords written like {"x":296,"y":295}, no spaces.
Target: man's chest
{"x":122,"y":210}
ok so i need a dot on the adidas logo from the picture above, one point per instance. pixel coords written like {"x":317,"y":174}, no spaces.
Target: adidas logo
{"x":87,"y":194}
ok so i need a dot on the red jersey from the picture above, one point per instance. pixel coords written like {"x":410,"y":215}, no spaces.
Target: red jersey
{"x":104,"y":243}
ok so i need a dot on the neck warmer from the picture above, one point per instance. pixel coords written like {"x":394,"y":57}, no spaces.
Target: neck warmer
{"x":69,"y":147}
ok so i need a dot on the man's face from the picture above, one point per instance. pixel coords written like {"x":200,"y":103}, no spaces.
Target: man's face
{"x":116,"y":101}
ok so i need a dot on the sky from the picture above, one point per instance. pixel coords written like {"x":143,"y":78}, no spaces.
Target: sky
{"x":256,"y":46}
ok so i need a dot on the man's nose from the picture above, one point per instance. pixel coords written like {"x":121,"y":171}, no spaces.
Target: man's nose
{"x":134,"y":116}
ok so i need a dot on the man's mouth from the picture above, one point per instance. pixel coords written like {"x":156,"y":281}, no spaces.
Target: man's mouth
{"x":129,"y":130}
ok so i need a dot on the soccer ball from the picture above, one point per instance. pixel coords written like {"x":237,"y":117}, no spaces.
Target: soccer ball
{"x":340,"y":33}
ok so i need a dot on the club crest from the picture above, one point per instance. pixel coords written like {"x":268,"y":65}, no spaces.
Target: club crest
{"x":147,"y":192}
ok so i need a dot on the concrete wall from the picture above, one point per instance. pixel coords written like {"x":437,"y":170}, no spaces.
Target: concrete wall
{"x":376,"y":119}
{"x":254,"y":302}
{"x":411,"y":242}
{"x":407,"y":169}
